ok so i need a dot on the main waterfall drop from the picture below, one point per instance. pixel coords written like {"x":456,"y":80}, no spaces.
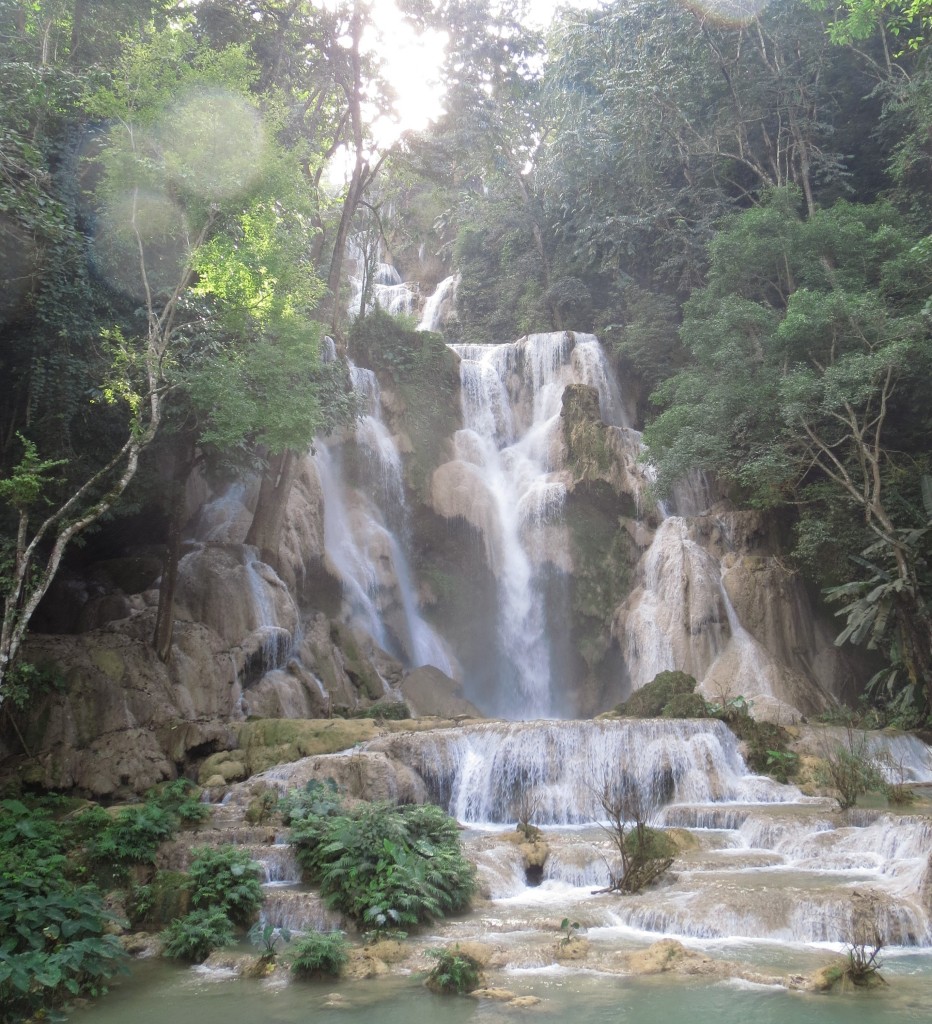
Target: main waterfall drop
{"x":507,"y":481}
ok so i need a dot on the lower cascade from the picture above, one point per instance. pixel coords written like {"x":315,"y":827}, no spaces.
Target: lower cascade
{"x":755,"y":861}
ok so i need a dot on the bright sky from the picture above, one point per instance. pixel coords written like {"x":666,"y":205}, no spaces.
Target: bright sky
{"x":413,"y":62}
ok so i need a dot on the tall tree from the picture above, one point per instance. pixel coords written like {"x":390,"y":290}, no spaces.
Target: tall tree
{"x":811,"y":343}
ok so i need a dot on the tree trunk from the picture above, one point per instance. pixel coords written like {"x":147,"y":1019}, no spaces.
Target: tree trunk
{"x":165,"y":617}
{"x":265,"y":528}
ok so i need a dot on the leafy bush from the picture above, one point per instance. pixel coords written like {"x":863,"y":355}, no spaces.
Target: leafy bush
{"x":320,"y":953}
{"x":316,"y":800}
{"x":182,"y":800}
{"x":163,"y":899}
{"x":196,"y":935}
{"x":388,"y":711}
{"x":265,"y":937}
{"x":32,"y":843}
{"x":454,"y":972}
{"x":850,"y":769}
{"x":226,"y":878}
{"x":387,"y":866}
{"x":766,"y":746}
{"x":133,"y":836}
{"x":52,"y":945}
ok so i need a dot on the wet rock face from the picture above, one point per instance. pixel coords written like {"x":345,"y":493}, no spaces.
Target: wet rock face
{"x":124,"y":721}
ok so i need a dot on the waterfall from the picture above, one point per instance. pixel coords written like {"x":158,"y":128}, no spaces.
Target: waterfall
{"x":511,"y":441}
{"x":277,"y":642}
{"x":432,"y":315}
{"x":386,"y":288}
{"x":364,"y":537}
{"x":480,"y":773}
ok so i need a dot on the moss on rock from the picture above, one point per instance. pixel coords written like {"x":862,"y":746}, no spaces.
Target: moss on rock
{"x":650,"y":700}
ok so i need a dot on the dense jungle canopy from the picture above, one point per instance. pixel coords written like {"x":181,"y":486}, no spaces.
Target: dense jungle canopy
{"x":736,"y":198}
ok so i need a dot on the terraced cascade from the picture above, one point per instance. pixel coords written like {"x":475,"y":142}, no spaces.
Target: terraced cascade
{"x":766,"y":887}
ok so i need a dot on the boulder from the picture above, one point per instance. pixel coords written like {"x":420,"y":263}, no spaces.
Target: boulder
{"x":430,"y":692}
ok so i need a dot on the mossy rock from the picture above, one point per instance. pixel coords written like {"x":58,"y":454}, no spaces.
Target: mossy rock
{"x":685,"y":705}
{"x":767,"y":747}
{"x":229,"y":765}
{"x":168,"y":896}
{"x":650,"y":700}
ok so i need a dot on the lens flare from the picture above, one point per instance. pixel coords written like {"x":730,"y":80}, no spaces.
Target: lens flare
{"x":141,"y":243}
{"x":213,"y":144}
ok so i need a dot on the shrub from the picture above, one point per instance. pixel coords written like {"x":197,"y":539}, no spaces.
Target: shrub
{"x":387,"y":867}
{"x":226,"y":878}
{"x":387,"y":711}
{"x":52,"y":946}
{"x":766,"y":745}
{"x":316,"y":800}
{"x":319,"y":954}
{"x":265,"y":937}
{"x":650,"y":700}
{"x":454,"y":972}
{"x":181,"y":799}
{"x":850,"y":769}
{"x":133,"y":836}
{"x":196,"y":935}
{"x":166,"y":897}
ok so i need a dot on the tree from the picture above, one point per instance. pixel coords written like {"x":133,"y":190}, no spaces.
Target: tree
{"x":810,"y":344}
{"x":666,"y":118}
{"x":189,"y":223}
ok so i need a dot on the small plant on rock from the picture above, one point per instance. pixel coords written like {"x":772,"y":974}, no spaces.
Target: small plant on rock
{"x":866,"y":942}
{"x":196,"y":935}
{"x":454,"y":972}
{"x":527,"y":807}
{"x":265,"y":937}
{"x":569,"y":929}
{"x":320,"y":954}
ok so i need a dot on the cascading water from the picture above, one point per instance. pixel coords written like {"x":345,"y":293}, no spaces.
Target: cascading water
{"x":384,"y":284}
{"x":365,"y":541}
{"x":756,"y":860}
{"x":432,"y":315}
{"x":479,"y":773}
{"x":511,"y":400}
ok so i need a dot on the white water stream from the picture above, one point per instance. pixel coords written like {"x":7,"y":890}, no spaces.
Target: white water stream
{"x":365,"y":537}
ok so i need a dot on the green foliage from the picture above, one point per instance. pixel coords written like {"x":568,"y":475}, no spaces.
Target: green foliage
{"x":160,"y":901}
{"x":265,"y":937}
{"x":809,"y":346}
{"x":386,"y":867}
{"x":132,"y":836}
{"x":650,"y":700}
{"x":454,"y":972}
{"x":25,"y":486}
{"x":569,"y":929}
{"x":685,"y":705}
{"x":196,"y":935}
{"x":319,"y":954}
{"x":25,"y":682}
{"x":182,"y":799}
{"x":877,"y":616}
{"x":53,"y":946}
{"x":317,"y":800}
{"x":226,"y":878}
